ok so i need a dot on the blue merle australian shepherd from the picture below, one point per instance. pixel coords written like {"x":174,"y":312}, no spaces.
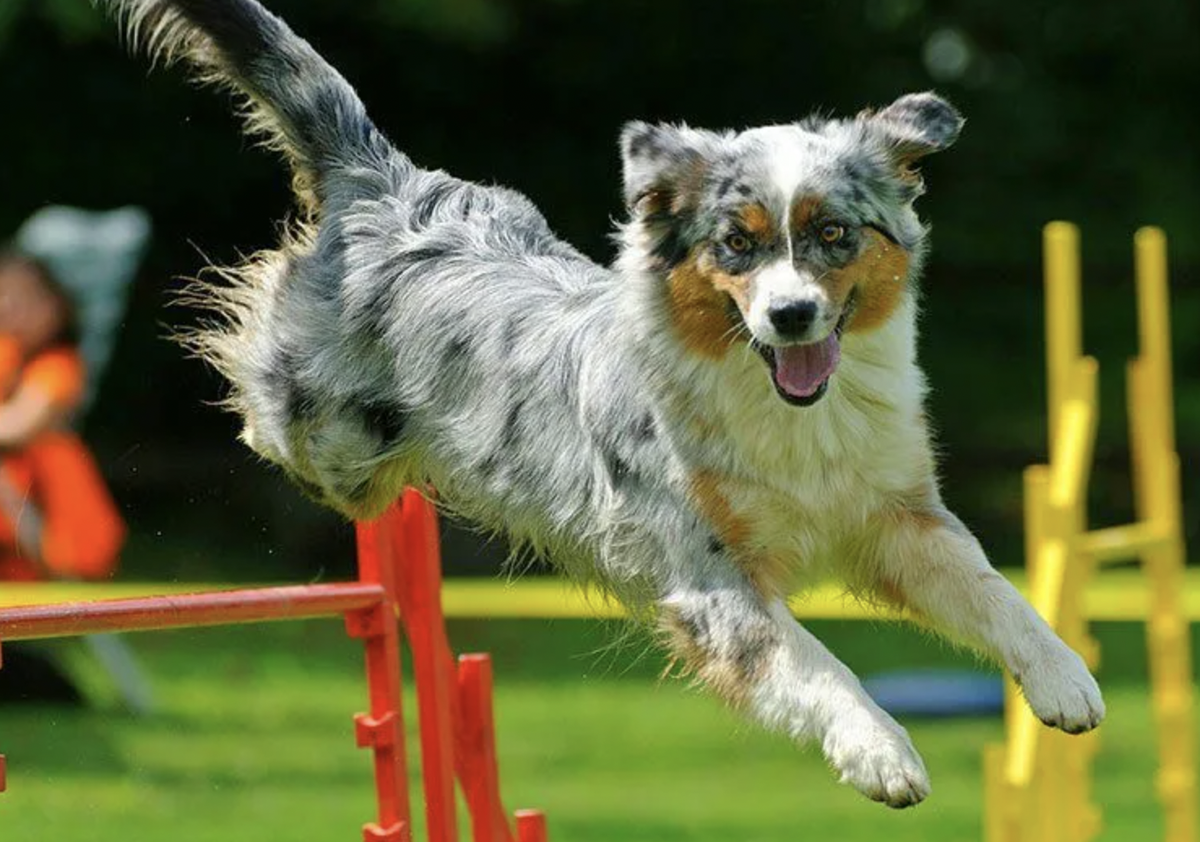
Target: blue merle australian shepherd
{"x":731,"y":411}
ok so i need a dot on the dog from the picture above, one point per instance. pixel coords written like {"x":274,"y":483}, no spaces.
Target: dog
{"x":731,"y":411}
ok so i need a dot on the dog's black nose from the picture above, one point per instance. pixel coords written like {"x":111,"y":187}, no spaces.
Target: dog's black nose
{"x":793,"y":320}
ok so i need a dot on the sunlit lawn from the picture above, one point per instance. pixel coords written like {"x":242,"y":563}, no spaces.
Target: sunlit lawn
{"x":254,"y":742}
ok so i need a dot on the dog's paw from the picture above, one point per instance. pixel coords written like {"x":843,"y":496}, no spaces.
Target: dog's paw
{"x":875,"y":756}
{"x":1062,"y":692}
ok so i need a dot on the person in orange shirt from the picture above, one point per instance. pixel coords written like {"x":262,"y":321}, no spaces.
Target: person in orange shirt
{"x":57,"y":518}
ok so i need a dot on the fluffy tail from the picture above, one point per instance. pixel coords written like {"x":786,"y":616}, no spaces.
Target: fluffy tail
{"x":295,"y":100}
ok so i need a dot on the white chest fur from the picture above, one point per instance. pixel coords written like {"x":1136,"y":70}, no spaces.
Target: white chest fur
{"x":801,"y":479}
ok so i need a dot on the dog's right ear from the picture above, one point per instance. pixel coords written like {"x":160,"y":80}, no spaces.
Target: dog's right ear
{"x":662,"y":164}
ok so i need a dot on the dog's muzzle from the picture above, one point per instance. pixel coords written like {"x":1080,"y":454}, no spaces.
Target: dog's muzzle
{"x":800,"y":373}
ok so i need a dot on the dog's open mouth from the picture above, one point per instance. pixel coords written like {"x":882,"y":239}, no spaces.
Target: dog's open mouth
{"x":800,"y":373}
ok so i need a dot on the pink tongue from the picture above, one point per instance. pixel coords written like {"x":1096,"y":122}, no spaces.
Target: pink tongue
{"x":801,"y":369}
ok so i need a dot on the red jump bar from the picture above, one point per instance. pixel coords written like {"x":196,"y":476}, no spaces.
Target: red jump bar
{"x":296,"y":602}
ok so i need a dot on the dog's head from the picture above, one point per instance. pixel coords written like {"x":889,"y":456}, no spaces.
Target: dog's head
{"x":784,"y":236}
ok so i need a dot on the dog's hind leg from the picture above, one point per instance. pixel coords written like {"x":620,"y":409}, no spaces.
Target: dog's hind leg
{"x":759,"y":659}
{"x":924,"y":558}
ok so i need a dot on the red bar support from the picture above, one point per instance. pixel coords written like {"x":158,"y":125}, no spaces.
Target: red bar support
{"x":399,"y":568}
{"x":382,"y":730}
{"x":298,"y":602}
{"x":419,"y":576}
{"x":478,"y":768}
{"x":531,"y":826}
{"x":444,"y":750}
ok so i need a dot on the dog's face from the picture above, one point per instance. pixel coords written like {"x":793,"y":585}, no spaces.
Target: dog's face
{"x":784,"y":236}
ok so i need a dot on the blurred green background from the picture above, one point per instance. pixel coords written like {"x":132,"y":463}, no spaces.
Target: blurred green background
{"x":1076,"y":111}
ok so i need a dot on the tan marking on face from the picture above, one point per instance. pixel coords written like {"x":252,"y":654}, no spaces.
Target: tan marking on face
{"x":804,"y":211}
{"x":731,"y":675}
{"x":699,"y":306}
{"x":757,"y":222}
{"x":768,"y":573}
{"x":736,"y":287}
{"x":878,"y":275}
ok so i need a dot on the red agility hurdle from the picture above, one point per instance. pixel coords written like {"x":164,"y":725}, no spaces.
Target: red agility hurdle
{"x":399,"y":576}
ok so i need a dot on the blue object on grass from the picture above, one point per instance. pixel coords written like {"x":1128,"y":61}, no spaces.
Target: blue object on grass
{"x":937,"y":692}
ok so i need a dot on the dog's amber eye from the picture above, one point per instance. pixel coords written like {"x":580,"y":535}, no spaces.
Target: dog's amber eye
{"x":831,"y":233}
{"x":738,"y":242}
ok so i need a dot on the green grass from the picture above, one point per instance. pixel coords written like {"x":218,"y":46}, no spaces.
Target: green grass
{"x":254,"y":742}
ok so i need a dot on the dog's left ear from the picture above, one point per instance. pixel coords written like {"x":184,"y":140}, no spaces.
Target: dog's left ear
{"x":915,"y":126}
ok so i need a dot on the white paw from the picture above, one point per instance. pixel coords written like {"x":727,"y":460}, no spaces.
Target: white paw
{"x":875,"y":756}
{"x":1060,"y":690}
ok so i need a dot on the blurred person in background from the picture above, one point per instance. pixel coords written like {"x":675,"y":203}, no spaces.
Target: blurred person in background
{"x":57,"y":518}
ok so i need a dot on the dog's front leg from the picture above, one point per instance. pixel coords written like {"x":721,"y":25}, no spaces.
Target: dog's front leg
{"x":924,"y":558}
{"x":757,"y":657}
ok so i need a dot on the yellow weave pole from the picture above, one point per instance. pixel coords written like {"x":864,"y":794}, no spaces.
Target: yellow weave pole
{"x":1064,"y":332}
{"x":1062,"y":774}
{"x":1039,"y":782}
{"x":1156,"y":475}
